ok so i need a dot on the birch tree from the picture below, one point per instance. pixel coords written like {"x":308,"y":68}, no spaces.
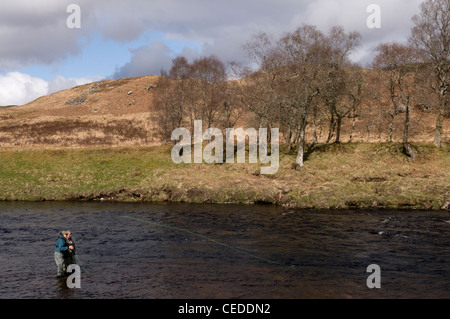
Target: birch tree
{"x":430,"y":36}
{"x":395,"y":62}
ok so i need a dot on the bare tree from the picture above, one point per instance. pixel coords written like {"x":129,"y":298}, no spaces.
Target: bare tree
{"x":175,"y":100}
{"x":395,"y":62}
{"x":260,"y":82}
{"x":181,"y":69}
{"x":211,"y":76}
{"x":196,"y":91}
{"x":169,"y":106}
{"x":332,"y":96}
{"x":342,"y":96}
{"x":335,"y":93}
{"x":232,"y":109}
{"x":304,"y":52}
{"x":292,"y":72}
{"x":389,"y":61}
{"x":430,"y":36}
{"x":356,"y":93}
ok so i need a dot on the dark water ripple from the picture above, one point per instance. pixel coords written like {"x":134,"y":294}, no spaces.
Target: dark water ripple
{"x":223,"y":251}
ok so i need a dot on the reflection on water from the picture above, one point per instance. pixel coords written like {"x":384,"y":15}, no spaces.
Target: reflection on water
{"x":223,"y":251}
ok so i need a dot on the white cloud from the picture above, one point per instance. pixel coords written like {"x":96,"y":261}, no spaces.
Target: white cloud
{"x":36,"y":32}
{"x":62,"y":83}
{"x":18,"y":88}
{"x":352,"y":15}
{"x":146,"y":60}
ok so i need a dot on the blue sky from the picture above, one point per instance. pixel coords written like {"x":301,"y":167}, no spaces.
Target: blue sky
{"x":101,"y":57}
{"x":91,"y":61}
{"x":40,"y":54}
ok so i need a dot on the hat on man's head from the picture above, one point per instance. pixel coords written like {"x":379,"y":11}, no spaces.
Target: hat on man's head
{"x":64,"y":232}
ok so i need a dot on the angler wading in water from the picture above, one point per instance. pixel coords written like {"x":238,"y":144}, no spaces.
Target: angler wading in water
{"x":64,"y":252}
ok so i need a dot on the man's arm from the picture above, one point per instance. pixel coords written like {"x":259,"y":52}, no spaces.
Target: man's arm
{"x":60,"y":244}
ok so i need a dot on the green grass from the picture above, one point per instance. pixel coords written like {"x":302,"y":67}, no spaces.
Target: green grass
{"x":340,"y":176}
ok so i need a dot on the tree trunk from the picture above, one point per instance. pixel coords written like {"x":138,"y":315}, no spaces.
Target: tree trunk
{"x":391,"y":128}
{"x":290,"y":138}
{"x":338,"y":129}
{"x":315,"y":140}
{"x":353,"y":126}
{"x":439,"y":122}
{"x":368,"y":132}
{"x":301,"y":147}
{"x":406,"y":147}
{"x":331,"y":128}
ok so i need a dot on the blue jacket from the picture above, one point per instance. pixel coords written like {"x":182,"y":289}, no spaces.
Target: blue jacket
{"x":61,"y":246}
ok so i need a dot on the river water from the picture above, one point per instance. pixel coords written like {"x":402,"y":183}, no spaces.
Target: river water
{"x":148,"y":250}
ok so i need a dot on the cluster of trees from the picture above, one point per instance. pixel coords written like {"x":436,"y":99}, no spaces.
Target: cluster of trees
{"x":196,"y":91}
{"x":306,"y":80}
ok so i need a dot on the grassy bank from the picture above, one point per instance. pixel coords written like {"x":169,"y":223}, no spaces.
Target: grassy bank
{"x":335,"y":176}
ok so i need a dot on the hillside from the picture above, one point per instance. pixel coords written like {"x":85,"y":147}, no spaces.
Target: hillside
{"x":108,"y":113}
{"x":121,"y":113}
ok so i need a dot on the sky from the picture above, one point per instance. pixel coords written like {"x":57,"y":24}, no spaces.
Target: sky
{"x":46,"y":47}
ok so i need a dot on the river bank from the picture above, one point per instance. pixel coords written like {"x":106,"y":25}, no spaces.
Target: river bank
{"x":336,"y":176}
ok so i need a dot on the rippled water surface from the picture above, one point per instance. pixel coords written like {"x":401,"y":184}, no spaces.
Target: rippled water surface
{"x":223,"y":251}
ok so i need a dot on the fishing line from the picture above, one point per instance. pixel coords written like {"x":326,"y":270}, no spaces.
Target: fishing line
{"x":207,"y":238}
{"x":77,"y":261}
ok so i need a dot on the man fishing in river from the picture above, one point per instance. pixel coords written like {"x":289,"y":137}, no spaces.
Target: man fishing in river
{"x":64,"y":252}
